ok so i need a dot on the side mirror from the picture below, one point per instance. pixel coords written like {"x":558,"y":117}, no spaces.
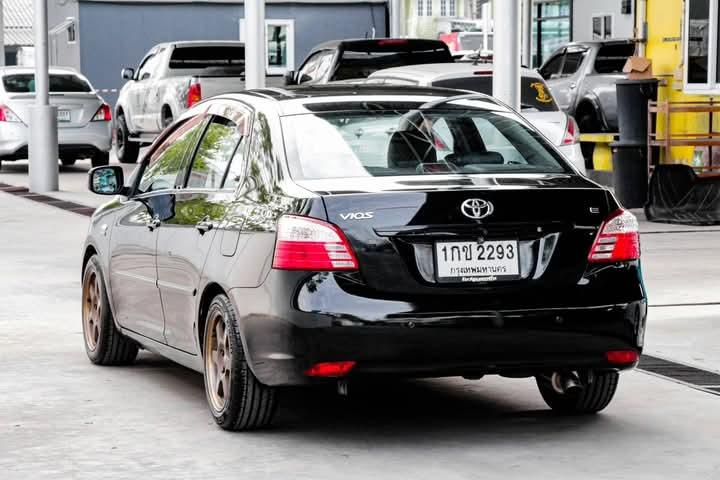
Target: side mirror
{"x":106,"y":180}
{"x":290,"y":77}
{"x":127,"y":73}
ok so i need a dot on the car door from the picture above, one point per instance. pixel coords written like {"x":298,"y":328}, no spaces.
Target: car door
{"x":565,"y":85}
{"x":141,"y":91}
{"x":200,"y":206}
{"x":154,"y":91}
{"x":133,"y":264}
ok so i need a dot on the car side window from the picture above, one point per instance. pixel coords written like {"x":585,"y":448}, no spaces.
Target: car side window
{"x":573,"y":60}
{"x":220,"y":141}
{"x":147,"y":69}
{"x":168,"y":160}
{"x":324,"y":63}
{"x":552,"y":67}
{"x":308,"y":70}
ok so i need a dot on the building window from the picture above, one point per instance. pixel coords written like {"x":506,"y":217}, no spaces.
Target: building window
{"x":602,"y":27}
{"x":452,"y":8}
{"x":443,"y":8}
{"x":71,"y":33}
{"x":279,"y":45}
{"x":551,"y":28}
{"x":701,"y":46}
{"x":428,"y":8}
{"x":626,"y":7}
{"x":420,"y":8}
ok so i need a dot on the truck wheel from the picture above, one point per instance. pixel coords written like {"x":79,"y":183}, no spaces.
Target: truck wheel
{"x":127,"y":150}
{"x":591,"y":399}
{"x":167,"y":117}
{"x":104,"y":344}
{"x":237,"y":400}
{"x":100,"y":159}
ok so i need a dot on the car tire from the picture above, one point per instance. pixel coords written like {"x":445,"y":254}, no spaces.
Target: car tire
{"x":104,"y":343}
{"x":127,"y":150}
{"x":100,"y":159}
{"x":237,"y":399}
{"x":594,"y":397}
{"x":167,"y":117}
{"x":67,"y":161}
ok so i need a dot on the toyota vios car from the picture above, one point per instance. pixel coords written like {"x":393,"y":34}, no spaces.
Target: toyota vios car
{"x":83,"y":118}
{"x":294,"y":237}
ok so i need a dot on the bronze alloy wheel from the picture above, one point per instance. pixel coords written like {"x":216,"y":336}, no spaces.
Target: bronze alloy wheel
{"x":92,"y":310}
{"x":218,"y":362}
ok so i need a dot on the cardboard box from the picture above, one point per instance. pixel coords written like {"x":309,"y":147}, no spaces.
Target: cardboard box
{"x":638,"y":68}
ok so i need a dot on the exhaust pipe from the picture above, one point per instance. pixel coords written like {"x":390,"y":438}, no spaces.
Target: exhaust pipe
{"x":566,"y":383}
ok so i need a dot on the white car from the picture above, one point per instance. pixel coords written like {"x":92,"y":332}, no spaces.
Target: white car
{"x":84,"y":119}
{"x":537,"y":103}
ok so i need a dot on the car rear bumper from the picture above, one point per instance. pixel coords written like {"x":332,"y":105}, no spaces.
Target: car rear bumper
{"x":86,"y":140}
{"x":324,"y":322}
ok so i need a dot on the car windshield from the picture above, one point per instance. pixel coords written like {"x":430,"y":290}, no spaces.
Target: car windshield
{"x":207,"y":57}
{"x":534,"y":94}
{"x":415,"y":142}
{"x":361,"y":62}
{"x":59,"y":83}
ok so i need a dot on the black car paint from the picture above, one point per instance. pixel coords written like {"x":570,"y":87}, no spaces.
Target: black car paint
{"x":390,"y":316}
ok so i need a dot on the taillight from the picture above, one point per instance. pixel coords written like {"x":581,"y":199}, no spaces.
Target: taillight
{"x":393,"y":41}
{"x":621,"y":357}
{"x":618,"y":239}
{"x":194,"y":94}
{"x":309,"y":244}
{"x":572,"y":132}
{"x":7,"y":115}
{"x":330,"y":369}
{"x":103,"y":114}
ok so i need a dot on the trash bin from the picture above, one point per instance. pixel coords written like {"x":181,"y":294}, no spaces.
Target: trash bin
{"x":632,"y":108}
{"x":630,"y":174}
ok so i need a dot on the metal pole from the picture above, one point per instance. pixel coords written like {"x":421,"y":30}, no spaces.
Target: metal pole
{"x":395,"y":18}
{"x":527,"y":33}
{"x":506,"y":46}
{"x":43,"y":117}
{"x":2,"y":36}
{"x":255,"y":44}
{"x":486,"y":25}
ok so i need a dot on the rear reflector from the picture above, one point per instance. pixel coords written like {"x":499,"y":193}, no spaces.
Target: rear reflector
{"x":393,"y":41}
{"x":618,"y":239}
{"x":330,"y":369}
{"x":103,"y":114}
{"x":194,"y":94}
{"x":572,"y":132}
{"x":304,"y":243}
{"x":621,"y":357}
{"x":7,"y":115}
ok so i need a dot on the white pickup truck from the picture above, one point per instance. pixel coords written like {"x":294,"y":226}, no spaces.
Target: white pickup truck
{"x":171,"y":78}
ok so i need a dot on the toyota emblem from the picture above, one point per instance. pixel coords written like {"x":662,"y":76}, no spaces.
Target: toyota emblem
{"x":476,"y":208}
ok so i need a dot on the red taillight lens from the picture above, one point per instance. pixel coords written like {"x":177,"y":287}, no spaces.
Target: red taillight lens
{"x":308,"y":244}
{"x":621,"y":357}
{"x":104,"y":114}
{"x":194,"y":94}
{"x":618,"y":239}
{"x":393,"y":41}
{"x":330,"y":369}
{"x":572,"y":132}
{"x":7,"y":115}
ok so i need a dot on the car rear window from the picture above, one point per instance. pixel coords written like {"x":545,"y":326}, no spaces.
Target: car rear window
{"x":403,"y":142}
{"x":534,"y":94}
{"x":360,"y":61}
{"x":611,"y":58}
{"x":25,"y":83}
{"x":207,"y":57}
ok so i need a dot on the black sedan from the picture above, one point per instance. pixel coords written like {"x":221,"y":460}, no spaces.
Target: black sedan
{"x":325,"y":234}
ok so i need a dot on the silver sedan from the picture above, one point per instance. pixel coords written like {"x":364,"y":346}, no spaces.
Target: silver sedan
{"x":84,"y":119}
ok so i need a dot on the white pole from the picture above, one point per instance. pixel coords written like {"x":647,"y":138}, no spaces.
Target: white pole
{"x":527,"y":32}
{"x":2,"y":36}
{"x":486,"y":24}
{"x":395,"y":18}
{"x":641,"y":27}
{"x":255,"y":44}
{"x":43,"y":117}
{"x":506,"y":47}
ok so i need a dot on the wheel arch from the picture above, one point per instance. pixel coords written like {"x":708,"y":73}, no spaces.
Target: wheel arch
{"x":590,"y":103}
{"x":90,"y":250}
{"x":211,"y":290}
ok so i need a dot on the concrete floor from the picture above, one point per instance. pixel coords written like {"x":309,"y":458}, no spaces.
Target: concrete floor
{"x":61,"y":417}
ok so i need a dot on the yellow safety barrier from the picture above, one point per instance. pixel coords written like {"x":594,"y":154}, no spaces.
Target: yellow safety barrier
{"x":602,"y":154}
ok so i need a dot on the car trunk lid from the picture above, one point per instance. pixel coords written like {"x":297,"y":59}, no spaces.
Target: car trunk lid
{"x":74,"y":109}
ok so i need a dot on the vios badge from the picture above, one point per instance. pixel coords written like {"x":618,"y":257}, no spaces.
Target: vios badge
{"x":476,"y":208}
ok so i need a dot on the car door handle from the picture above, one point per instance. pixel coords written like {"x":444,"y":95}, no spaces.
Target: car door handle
{"x":204,"y":226}
{"x":154,"y":223}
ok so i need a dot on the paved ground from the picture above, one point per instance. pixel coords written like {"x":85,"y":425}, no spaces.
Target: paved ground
{"x":61,"y":417}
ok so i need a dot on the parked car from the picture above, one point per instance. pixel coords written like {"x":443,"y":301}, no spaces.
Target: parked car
{"x":171,"y":78}
{"x":250,"y":251}
{"x":84,"y":119}
{"x":537,"y":104}
{"x":356,"y":59}
{"x":582,"y":78}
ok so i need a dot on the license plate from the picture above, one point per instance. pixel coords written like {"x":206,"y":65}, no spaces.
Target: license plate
{"x":63,"y":115}
{"x":477,"y":262}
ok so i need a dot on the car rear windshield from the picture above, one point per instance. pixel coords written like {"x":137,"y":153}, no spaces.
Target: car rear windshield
{"x":415,"y":142}
{"x":534,"y":94}
{"x":611,"y":58}
{"x":207,"y":57}
{"x":360,"y":62}
{"x":25,"y":83}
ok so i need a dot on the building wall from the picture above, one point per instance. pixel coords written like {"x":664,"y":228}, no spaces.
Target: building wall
{"x":61,"y":52}
{"x":583,"y":10}
{"x":117,"y":35}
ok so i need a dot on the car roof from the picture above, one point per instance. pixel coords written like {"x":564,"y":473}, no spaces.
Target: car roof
{"x":201,"y":43}
{"x":31,"y":70}
{"x":435,"y":71}
{"x":359,"y":42}
{"x":294,"y":100}
{"x":599,"y":43}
